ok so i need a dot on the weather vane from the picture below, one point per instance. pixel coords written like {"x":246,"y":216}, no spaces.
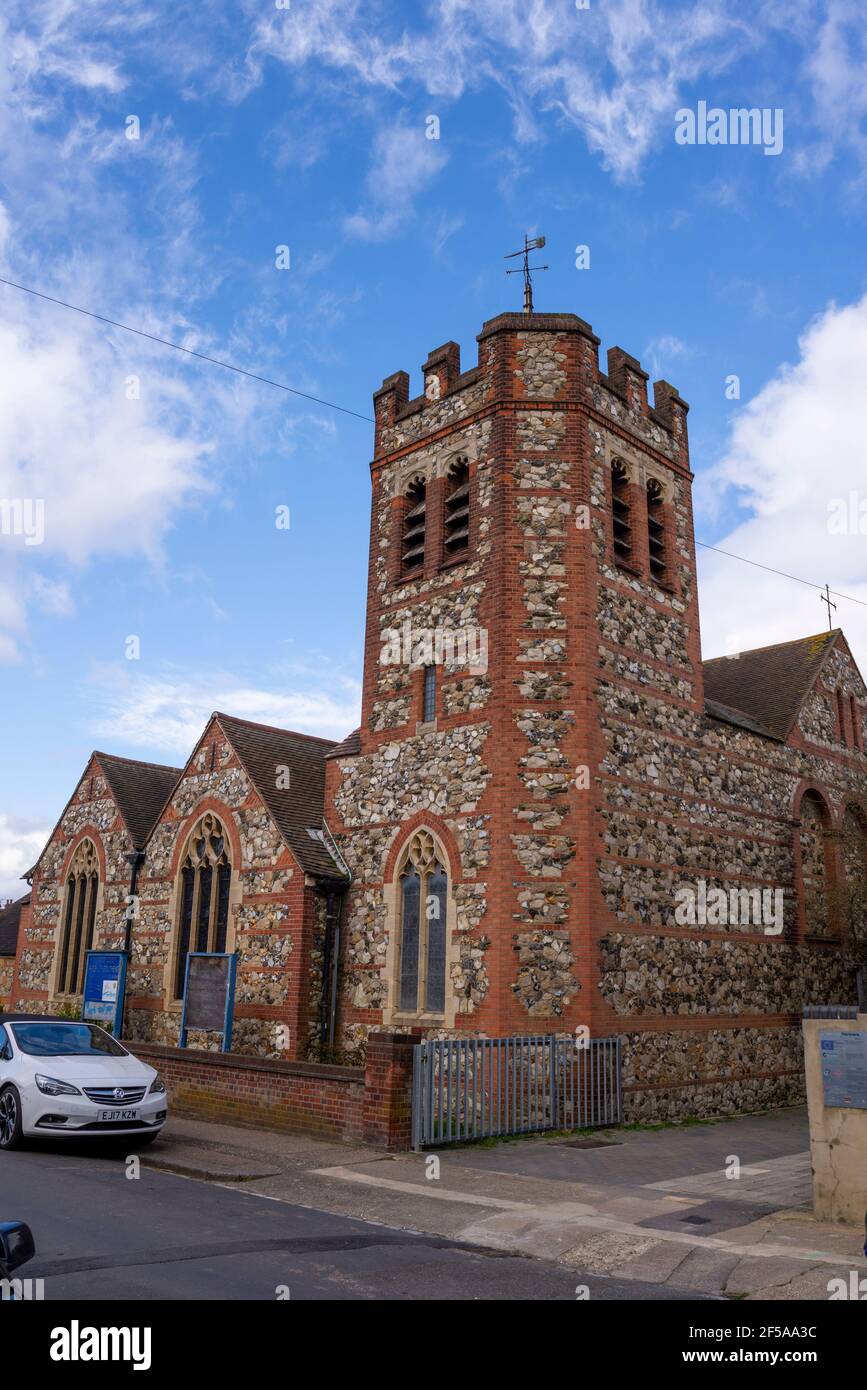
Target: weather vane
{"x":826,"y":598}
{"x":535,"y":245}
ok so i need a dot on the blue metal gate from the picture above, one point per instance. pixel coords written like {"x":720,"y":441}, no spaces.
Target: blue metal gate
{"x":478,"y":1088}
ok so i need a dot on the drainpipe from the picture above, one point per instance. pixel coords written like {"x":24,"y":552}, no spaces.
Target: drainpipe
{"x":331,"y":950}
{"x":330,"y":969}
{"x":135,"y":859}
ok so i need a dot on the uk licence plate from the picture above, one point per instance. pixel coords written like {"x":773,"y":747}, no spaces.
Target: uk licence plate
{"x":118,"y":1114}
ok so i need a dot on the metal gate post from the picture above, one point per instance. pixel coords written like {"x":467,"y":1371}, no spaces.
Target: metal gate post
{"x":417,"y":1086}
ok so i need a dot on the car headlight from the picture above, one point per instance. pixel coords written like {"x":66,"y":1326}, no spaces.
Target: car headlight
{"x":53,"y":1087}
{"x":157,"y":1086}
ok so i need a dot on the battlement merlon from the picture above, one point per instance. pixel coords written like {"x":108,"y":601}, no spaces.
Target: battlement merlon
{"x":539,"y":357}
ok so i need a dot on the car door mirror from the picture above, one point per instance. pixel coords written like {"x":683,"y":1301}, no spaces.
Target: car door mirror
{"x":6,"y":1052}
{"x":17,"y":1245}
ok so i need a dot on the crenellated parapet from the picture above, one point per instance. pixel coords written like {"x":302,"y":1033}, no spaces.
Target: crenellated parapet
{"x":523,"y":360}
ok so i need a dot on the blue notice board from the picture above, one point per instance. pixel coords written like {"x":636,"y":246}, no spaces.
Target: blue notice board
{"x":104,"y":984}
{"x":843,"y":1058}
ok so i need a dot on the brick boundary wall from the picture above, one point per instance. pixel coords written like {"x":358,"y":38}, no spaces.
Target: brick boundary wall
{"x":371,"y":1105}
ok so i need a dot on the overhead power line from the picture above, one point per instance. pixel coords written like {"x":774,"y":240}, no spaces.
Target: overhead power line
{"x":178,"y":347}
{"x":782,"y":573}
{"x":317,"y":400}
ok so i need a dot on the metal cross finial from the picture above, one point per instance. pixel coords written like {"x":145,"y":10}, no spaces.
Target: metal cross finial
{"x":826,"y":598}
{"x":535,"y":245}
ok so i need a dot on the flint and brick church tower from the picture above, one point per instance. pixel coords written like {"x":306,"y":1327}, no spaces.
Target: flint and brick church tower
{"x":539,"y":767}
{"x":493,"y":517}
{"x":546,"y":774}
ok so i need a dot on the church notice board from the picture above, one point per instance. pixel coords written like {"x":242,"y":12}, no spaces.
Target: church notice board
{"x":104,"y":984}
{"x":843,"y":1058}
{"x":209,"y":995}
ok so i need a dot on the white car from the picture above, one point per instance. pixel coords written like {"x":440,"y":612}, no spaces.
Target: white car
{"x":59,"y":1077}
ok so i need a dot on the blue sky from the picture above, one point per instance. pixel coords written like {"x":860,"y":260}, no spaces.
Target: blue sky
{"x":262,"y":126}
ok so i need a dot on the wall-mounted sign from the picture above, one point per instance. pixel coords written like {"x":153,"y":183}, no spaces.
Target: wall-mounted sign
{"x":104,"y":984}
{"x":209,"y":995}
{"x":843,"y":1059}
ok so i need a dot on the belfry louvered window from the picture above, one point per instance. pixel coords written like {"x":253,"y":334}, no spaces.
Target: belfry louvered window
{"x":79,"y":918}
{"x":203,"y":894}
{"x":656,"y":531}
{"x":456,"y":517}
{"x":620,"y":513}
{"x":422,"y":900}
{"x":413,"y":538}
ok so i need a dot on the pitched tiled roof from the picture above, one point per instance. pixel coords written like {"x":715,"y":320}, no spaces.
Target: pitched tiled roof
{"x":351,"y":744}
{"x":767,"y":686}
{"x":9,"y":916}
{"x":297,"y":808}
{"x":140,"y":790}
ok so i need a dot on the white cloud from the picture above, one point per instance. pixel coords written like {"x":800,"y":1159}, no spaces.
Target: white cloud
{"x":404,"y":163}
{"x":169,"y":712}
{"x":662,"y":350}
{"x":21,"y":843}
{"x":797,"y":446}
{"x":113,"y":474}
{"x":110,"y":474}
{"x":612,"y":70}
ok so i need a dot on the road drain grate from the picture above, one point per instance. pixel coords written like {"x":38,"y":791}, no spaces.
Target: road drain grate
{"x":589,"y":1143}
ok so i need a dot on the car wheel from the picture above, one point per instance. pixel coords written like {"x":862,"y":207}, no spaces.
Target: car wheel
{"x":10,"y":1118}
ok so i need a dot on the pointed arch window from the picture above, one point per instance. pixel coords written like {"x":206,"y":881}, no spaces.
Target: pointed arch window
{"x":414,"y":528}
{"x":422,"y":906}
{"x":815,"y":867}
{"x":203,"y":894}
{"x":79,"y":918}
{"x":620,"y":513}
{"x":456,"y":516}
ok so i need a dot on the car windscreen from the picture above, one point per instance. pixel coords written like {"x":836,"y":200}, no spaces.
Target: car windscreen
{"x":65,"y":1040}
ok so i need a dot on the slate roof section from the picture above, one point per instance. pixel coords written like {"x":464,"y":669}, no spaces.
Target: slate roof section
{"x":768,"y":685}
{"x":296,"y":809}
{"x":9,"y":917}
{"x":141,"y":790}
{"x":348,"y":747}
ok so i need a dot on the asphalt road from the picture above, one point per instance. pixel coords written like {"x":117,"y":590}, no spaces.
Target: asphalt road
{"x":102,"y":1235}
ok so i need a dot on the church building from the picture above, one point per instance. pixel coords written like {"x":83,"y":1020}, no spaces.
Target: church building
{"x":554,"y":817}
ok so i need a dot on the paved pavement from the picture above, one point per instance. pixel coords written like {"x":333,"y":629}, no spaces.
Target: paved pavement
{"x":102,"y":1235}
{"x":715,"y":1209}
{"x":639,"y":1214}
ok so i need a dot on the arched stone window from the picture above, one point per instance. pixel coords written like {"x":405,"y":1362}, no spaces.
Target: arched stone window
{"x":815,"y":870}
{"x":205,"y":880}
{"x":853,"y":844}
{"x":414,"y":528}
{"x":456,"y":516}
{"x":79,"y":916}
{"x":422,"y":899}
{"x":620,"y":513}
